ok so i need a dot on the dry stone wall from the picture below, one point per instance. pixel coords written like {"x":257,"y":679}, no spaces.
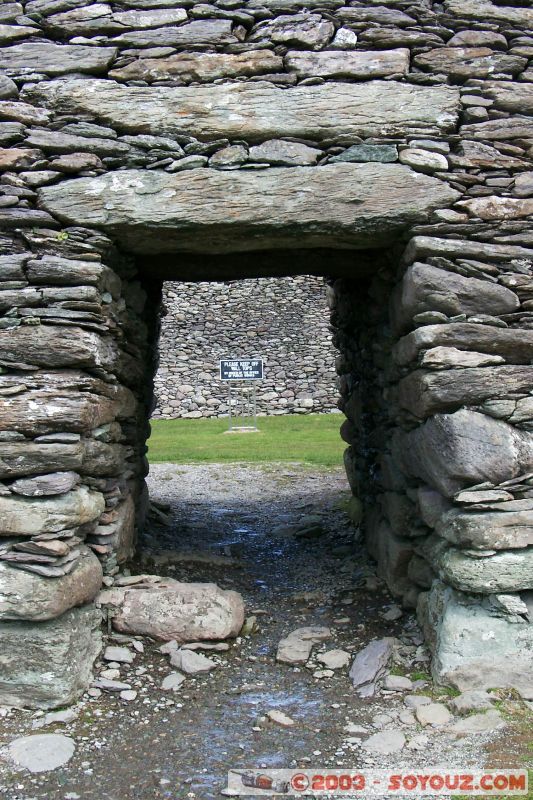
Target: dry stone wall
{"x":137,"y":132}
{"x":285,"y":321}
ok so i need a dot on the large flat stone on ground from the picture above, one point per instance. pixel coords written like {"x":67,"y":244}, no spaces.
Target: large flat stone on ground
{"x":213,"y":211}
{"x":33,"y":597}
{"x":258,"y":112}
{"x":171,"y":610}
{"x":48,"y":664}
{"x":41,"y":752}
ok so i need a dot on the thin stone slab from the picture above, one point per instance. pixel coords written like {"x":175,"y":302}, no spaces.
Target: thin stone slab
{"x":58,"y":346}
{"x":121,"y":654}
{"x":434,"y":714}
{"x":356,"y":64}
{"x":472,"y":700}
{"x":369,"y":664}
{"x":507,"y":571}
{"x":211,"y":211}
{"x":284,"y":5}
{"x":279,"y":153}
{"x":428,"y":288}
{"x":385,"y":742}
{"x":98,"y":19}
{"x":453,"y":451}
{"x":446,"y":357}
{"x":257,"y":112}
{"x":296,"y":647}
{"x":487,"y":721}
{"x":466,"y":337}
{"x":420,"y":247}
{"x":487,"y":530}
{"x":46,"y":485}
{"x":496,"y":130}
{"x":494,"y":207}
{"x":41,"y":412}
{"x":56,"y":271}
{"x":42,"y":752}
{"x":56,"y":59}
{"x":192,"y":663}
{"x":490,"y":12}
{"x":172,"y":682}
{"x":469,"y":62}
{"x":424,"y":393}
{"x":199,"y":32}
{"x":199,"y":66}
{"x":510,"y":96}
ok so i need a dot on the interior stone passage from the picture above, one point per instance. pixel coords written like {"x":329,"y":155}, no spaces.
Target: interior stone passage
{"x":387,"y":148}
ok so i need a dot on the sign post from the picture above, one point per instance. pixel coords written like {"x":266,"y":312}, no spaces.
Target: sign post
{"x":244,"y":373}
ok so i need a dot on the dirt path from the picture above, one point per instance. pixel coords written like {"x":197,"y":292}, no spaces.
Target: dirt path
{"x":229,"y":525}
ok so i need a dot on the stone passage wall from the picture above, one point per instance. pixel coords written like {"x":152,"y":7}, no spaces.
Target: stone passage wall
{"x":147,"y":140}
{"x":285,"y":321}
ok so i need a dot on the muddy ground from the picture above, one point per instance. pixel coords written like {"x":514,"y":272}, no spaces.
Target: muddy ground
{"x":228,"y":524}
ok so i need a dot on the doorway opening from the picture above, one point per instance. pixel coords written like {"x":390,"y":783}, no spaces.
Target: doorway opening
{"x":278,"y":522}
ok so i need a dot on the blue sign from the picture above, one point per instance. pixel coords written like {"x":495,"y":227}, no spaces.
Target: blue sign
{"x":241,"y":369}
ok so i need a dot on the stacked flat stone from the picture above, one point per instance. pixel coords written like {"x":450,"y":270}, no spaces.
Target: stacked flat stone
{"x":143,"y":140}
{"x":285,"y":321}
{"x":448,"y":495}
{"x":73,"y":428}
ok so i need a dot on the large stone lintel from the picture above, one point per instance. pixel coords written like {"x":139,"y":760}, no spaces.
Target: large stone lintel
{"x":211,"y":211}
{"x":258,"y":112}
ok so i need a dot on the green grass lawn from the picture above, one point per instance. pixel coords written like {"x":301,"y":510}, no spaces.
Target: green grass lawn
{"x":311,"y":439}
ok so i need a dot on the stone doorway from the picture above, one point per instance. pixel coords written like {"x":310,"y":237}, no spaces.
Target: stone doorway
{"x":431,"y":307}
{"x":388,"y":147}
{"x":415,"y":389}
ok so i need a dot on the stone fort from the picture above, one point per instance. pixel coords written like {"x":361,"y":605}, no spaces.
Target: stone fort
{"x":284,"y":321}
{"x":384,"y":145}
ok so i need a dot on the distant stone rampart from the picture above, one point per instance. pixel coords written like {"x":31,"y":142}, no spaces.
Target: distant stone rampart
{"x":285,"y":321}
